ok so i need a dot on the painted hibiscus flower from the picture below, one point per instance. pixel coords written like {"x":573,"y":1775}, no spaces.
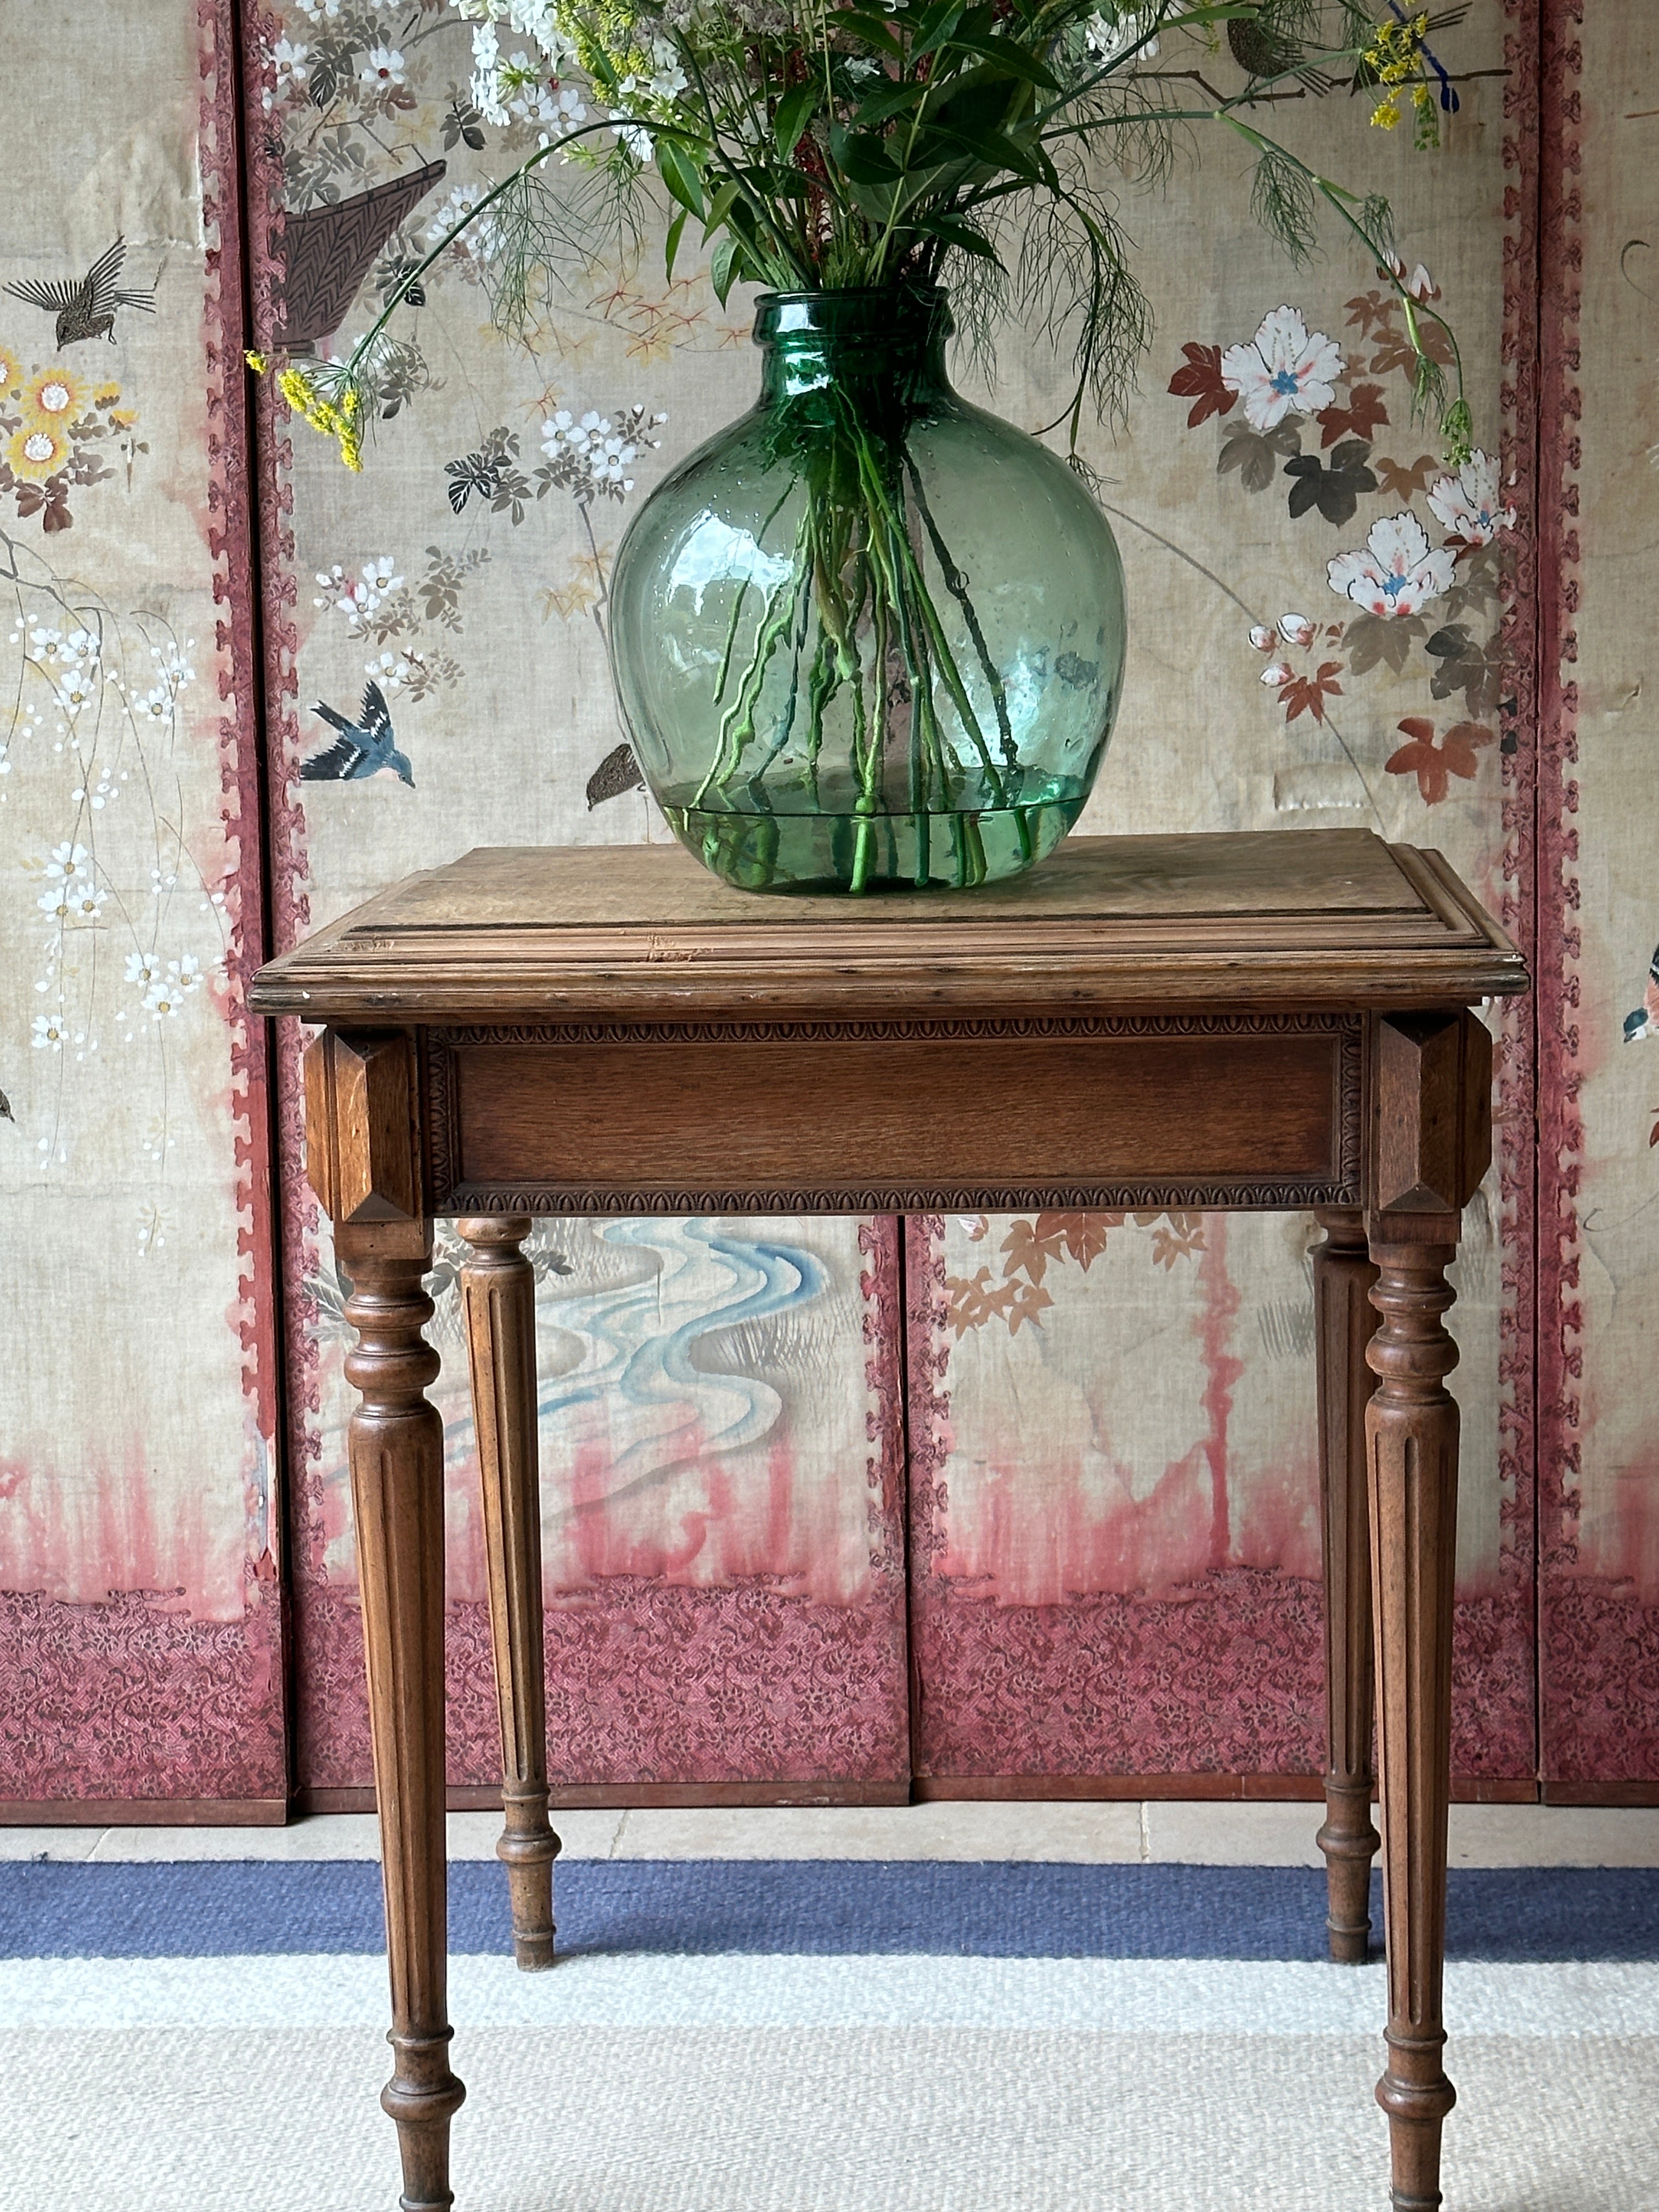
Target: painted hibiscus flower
{"x":1397,"y":574}
{"x":1467,"y":503}
{"x":1284,"y":366}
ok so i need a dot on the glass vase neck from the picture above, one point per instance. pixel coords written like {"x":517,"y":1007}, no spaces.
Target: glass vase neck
{"x":889,"y":335}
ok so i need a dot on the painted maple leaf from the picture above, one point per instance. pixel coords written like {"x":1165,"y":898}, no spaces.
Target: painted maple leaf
{"x":1368,"y":309}
{"x":1306,"y":694}
{"x":1201,"y":382}
{"x":1400,"y":482}
{"x":1256,"y":454}
{"x":1365,"y":412}
{"x":1434,"y":765}
{"x":1334,"y":490}
{"x":1393,"y":348}
{"x":1477,"y":670}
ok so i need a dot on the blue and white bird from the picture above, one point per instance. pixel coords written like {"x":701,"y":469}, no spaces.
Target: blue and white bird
{"x":1644,"y":1021}
{"x":362,"y":748}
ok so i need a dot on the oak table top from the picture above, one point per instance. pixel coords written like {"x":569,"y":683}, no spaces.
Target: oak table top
{"x":1280,"y":1019}
{"x":1305,"y":918}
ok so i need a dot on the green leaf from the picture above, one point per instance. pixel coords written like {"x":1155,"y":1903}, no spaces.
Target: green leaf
{"x":862,"y":157}
{"x":955,"y":231}
{"x":723,"y":268}
{"x":998,"y":151}
{"x":672,"y":244}
{"x":680,"y":175}
{"x":937,"y":26}
{"x":1008,"y":55}
{"x":887,"y":101}
{"x":794,"y":112}
{"x":718,"y":208}
{"x":873,"y":30}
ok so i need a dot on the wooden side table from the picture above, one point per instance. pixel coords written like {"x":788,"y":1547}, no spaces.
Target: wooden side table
{"x":1270,"y":1021}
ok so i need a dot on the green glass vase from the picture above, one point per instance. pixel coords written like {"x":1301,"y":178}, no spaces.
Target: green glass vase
{"x":869,"y":637}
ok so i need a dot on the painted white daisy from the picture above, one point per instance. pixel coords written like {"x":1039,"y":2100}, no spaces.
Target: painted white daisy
{"x":382,"y":67}
{"x":1284,"y":366}
{"x":1397,"y":574}
{"x":49,"y":1030}
{"x":1469,"y":503}
{"x":66,"y":862}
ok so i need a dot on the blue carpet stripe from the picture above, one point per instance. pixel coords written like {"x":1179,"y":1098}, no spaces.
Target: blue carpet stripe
{"x":207,"y":1909}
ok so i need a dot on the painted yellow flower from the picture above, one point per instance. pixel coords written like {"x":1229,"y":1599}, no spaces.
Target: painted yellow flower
{"x":106,"y":395}
{"x":36,"y":451}
{"x":10,"y":369}
{"x":55,"y":397}
{"x":124,"y":417}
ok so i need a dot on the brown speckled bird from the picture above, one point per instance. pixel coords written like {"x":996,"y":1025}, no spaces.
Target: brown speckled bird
{"x":86,"y":309}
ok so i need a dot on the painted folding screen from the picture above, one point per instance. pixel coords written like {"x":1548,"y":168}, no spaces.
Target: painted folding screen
{"x":1598,"y":994}
{"x":1115,"y":1540}
{"x":720,"y":1412}
{"x":140,"y":1651}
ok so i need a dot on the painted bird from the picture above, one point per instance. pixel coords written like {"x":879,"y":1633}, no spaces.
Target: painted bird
{"x":1262,"y":52}
{"x":363,"y":746}
{"x":1644,"y":1022}
{"x":87,"y":309}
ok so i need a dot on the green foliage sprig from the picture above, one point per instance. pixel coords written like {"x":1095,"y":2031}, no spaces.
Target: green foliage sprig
{"x":981,"y":143}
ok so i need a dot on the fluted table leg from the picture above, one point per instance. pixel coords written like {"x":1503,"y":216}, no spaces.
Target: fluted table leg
{"x":1411,"y":1427}
{"x":397,"y":1494}
{"x":1344,"y":1321}
{"x":498,"y":1288}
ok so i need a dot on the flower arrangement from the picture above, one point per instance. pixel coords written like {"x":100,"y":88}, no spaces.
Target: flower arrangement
{"x":904,"y":142}
{"x":881,"y":151}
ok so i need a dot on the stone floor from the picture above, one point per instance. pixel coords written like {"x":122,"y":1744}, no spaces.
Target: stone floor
{"x":1191,"y":1833}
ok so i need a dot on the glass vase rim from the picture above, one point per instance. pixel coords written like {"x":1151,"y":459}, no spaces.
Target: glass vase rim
{"x":889,"y":314}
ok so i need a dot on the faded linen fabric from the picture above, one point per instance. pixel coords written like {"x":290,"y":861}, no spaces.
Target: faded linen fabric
{"x":139,"y":1651}
{"x":1598,"y":1000}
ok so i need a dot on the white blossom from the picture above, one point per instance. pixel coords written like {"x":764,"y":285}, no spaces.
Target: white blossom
{"x":1396,"y":574}
{"x":381,"y":69}
{"x":1284,"y":366}
{"x":1467,"y":504}
{"x":1107,"y":36}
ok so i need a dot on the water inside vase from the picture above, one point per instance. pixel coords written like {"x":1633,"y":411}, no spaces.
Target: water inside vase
{"x":834,"y":847}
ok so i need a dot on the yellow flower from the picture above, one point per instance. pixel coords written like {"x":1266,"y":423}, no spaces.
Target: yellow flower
{"x":124,"y":417}
{"x":54,"y":397}
{"x":106,"y":395}
{"x":341,"y":421}
{"x":10,"y":369}
{"x":36,"y":451}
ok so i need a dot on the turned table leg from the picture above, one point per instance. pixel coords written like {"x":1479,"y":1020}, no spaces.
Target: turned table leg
{"x":396,"y":1496}
{"x":1411,"y":1427}
{"x":498,"y":1288}
{"x":1343,"y":1320}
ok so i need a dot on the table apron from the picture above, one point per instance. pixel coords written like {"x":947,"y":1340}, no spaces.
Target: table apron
{"x":1253,"y":1110}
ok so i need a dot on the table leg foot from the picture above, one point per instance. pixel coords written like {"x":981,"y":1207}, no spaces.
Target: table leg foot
{"x":498,"y":1290}
{"x":423,"y":2097}
{"x":1412,"y":1433}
